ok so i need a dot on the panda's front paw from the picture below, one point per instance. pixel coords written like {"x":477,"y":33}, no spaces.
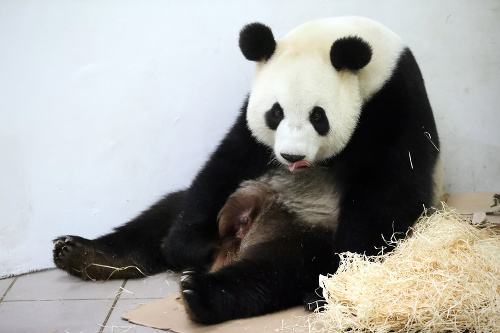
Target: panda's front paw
{"x":199,"y":294}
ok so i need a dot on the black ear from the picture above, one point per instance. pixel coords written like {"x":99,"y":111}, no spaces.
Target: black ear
{"x":257,"y":42}
{"x":351,"y":53}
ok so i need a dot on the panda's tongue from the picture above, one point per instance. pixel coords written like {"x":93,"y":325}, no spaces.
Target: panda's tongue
{"x":298,"y":164}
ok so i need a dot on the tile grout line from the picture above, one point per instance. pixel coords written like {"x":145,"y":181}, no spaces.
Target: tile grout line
{"x":70,"y":299}
{"x":77,"y":299}
{"x":8,"y":289}
{"x":120,"y":292}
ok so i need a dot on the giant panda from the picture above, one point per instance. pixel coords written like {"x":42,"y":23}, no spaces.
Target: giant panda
{"x":335,"y":149}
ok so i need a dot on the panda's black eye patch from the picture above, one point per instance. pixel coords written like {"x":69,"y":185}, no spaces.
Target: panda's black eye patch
{"x":319,"y":121}
{"x":274,"y":116}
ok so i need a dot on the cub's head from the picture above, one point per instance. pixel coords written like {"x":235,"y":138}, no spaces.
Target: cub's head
{"x":310,"y":87}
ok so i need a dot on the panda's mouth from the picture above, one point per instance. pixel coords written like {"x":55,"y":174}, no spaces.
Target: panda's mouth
{"x":299,"y":164}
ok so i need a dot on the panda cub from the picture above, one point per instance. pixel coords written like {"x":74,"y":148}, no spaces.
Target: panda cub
{"x":275,"y":204}
{"x":334,"y":150}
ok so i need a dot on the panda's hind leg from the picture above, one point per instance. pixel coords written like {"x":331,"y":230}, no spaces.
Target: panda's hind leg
{"x":130,"y":251}
{"x":86,"y":259}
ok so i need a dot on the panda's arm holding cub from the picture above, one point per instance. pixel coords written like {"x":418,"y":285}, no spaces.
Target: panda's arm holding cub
{"x":194,"y":234}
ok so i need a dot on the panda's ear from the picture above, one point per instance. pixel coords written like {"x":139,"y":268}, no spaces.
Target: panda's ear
{"x":257,"y":42}
{"x":351,"y":53}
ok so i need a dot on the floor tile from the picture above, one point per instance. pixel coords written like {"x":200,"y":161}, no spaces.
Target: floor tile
{"x":53,"y":316}
{"x":57,"y":285}
{"x":116,"y":324}
{"x":157,"y":286}
{"x":4,"y":285}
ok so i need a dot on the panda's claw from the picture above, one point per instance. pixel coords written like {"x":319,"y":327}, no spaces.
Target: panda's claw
{"x":197,"y":293}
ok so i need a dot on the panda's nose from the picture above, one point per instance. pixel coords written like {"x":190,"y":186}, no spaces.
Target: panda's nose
{"x":292,"y":158}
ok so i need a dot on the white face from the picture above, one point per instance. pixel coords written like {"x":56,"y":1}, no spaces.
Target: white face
{"x":299,"y":85}
{"x":298,"y":81}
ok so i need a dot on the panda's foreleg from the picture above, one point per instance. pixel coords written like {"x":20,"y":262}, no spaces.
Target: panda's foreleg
{"x":193,"y":239}
{"x":130,"y":251}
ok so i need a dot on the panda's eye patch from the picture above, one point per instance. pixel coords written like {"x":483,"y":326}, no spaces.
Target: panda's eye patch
{"x":319,"y":120}
{"x":274,"y":116}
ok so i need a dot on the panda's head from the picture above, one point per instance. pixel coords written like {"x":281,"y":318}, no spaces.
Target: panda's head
{"x":310,"y":86}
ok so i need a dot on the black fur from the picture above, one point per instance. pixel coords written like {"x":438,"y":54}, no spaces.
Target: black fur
{"x":274,"y":116}
{"x":194,"y":236}
{"x":380,"y":193}
{"x":277,"y":277}
{"x":319,"y":120}
{"x":351,"y":53}
{"x":257,"y":42}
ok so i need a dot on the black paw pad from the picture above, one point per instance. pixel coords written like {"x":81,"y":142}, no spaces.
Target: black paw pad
{"x":63,"y":246}
{"x":73,"y":254}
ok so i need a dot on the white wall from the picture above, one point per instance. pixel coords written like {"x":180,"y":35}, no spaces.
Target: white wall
{"x":106,"y":105}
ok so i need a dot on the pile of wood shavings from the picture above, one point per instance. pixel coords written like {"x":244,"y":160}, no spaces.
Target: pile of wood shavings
{"x":445,"y":277}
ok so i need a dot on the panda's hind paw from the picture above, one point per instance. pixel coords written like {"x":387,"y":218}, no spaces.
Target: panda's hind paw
{"x":63,"y":246}
{"x":73,"y":254}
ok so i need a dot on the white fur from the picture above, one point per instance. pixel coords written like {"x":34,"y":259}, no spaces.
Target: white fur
{"x":300,"y":76}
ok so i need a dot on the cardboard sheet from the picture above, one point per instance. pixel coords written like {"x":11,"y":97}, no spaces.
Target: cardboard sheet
{"x":169,"y":314}
{"x":470,"y":204}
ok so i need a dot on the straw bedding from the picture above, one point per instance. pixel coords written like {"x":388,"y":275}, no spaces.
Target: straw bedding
{"x":445,"y":277}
